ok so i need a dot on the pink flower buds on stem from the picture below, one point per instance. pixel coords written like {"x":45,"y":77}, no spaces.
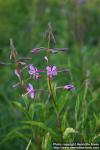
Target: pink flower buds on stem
{"x":51,"y":50}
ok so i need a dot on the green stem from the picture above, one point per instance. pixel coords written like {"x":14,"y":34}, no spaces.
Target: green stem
{"x":54,"y":104}
{"x":37,"y":141}
{"x":51,"y":90}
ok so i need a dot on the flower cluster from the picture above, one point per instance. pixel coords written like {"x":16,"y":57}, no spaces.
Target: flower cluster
{"x":51,"y":71}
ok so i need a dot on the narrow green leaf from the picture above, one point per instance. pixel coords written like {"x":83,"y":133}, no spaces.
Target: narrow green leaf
{"x":40,"y":125}
{"x":28,"y":145}
{"x":14,"y":134}
{"x":96,"y":137}
{"x":18,"y":105}
{"x":62,"y":102}
{"x":46,"y":143}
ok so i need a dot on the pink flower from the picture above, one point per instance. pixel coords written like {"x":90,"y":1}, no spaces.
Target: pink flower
{"x":31,"y":91}
{"x":51,"y":71}
{"x":34,"y":71}
{"x":69,"y":87}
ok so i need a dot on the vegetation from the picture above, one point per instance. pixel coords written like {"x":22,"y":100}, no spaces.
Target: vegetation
{"x":65,"y":34}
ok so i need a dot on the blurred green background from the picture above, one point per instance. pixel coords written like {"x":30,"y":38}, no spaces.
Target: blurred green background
{"x":76,"y":25}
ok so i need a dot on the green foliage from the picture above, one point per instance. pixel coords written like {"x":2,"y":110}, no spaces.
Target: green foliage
{"x":27,"y":124}
{"x":67,"y":132}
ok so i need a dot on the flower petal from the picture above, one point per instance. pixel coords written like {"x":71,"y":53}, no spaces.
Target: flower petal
{"x":69,"y":87}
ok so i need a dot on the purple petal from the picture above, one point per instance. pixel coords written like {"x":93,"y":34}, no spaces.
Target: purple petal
{"x":51,"y":71}
{"x":35,"y":50}
{"x":28,"y":90}
{"x":54,"y":70}
{"x":36,"y":76}
{"x":30,"y":86}
{"x":31,"y":67}
{"x":32,"y":70}
{"x":69,"y":87}
{"x":31,"y":91}
{"x":48,"y":68}
{"x":32,"y":95}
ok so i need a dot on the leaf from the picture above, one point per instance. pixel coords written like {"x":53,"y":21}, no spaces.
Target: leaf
{"x":96,"y":137}
{"x":77,"y":107}
{"x":37,"y":106}
{"x":31,"y":110}
{"x":18,"y":105}
{"x":40,"y":105}
{"x":62,"y":102}
{"x":40,"y":125}
{"x":28,"y":144}
{"x":64,"y":121}
{"x":54,"y":89}
{"x":46,"y":143}
{"x":68,"y":131}
{"x":16,"y":132}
